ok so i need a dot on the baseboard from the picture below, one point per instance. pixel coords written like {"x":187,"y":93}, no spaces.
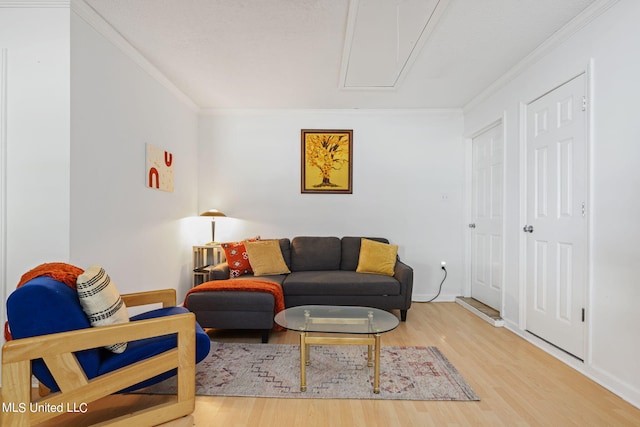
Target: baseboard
{"x":428,"y":298}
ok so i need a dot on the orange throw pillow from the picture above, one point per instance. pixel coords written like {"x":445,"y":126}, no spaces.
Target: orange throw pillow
{"x":237,"y":258}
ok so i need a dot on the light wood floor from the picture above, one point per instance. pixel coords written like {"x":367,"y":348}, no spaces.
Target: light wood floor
{"x":518,"y":384}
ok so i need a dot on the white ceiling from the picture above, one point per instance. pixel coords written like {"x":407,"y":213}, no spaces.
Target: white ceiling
{"x":289,"y":53}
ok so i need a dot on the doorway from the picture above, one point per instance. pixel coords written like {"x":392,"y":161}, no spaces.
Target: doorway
{"x":556,"y":216}
{"x":487,"y":205}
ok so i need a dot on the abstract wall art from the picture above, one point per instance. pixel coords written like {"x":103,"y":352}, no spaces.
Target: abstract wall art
{"x":159,"y":172}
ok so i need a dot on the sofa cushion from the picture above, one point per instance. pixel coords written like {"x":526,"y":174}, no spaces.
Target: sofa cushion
{"x":377,"y":258}
{"x":339,"y":282}
{"x":351,"y":251}
{"x":149,"y":347}
{"x":315,"y":253}
{"x":275,"y":278}
{"x":285,"y":247}
{"x":231,"y":301}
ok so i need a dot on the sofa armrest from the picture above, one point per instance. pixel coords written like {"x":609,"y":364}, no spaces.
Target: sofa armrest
{"x":165,"y":296}
{"x":219,"y":272}
{"x":404,"y":275}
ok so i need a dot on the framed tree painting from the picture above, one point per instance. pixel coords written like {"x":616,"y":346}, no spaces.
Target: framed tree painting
{"x":327,"y":161}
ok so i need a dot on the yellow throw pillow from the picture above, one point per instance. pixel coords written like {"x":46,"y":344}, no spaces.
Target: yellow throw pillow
{"x":266,"y":258}
{"x":377,"y":257}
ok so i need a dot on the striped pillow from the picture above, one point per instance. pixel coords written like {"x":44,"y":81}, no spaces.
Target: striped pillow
{"x":101,"y":302}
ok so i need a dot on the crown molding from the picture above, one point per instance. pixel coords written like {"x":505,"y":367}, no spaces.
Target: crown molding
{"x":98,"y":23}
{"x":583,"y":19}
{"x":326,"y":111}
{"x":35,"y":3}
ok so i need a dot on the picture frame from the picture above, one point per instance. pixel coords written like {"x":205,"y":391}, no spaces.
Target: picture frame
{"x":326,"y":161}
{"x":159,"y":169}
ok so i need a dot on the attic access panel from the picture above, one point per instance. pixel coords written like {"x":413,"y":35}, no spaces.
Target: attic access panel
{"x":383,"y":38}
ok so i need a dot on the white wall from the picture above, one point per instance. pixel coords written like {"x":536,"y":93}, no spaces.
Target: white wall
{"x":142,"y":237}
{"x":404,"y":162}
{"x":37,"y":137}
{"x":612,"y":42}
{"x":34,"y":174}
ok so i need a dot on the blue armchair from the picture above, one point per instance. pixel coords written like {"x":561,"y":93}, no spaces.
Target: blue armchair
{"x":53,"y":339}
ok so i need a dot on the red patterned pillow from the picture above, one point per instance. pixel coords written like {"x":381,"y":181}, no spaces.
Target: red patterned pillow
{"x":237,"y":258}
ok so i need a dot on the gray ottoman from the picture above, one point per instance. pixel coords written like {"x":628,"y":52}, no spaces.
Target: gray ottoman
{"x":233,"y":310}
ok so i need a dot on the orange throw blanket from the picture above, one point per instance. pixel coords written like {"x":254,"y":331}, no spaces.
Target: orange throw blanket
{"x":60,"y":271}
{"x":248,"y":285}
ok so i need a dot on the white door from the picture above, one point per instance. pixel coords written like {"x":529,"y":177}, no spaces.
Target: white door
{"x":556,"y":228}
{"x":487,"y":216}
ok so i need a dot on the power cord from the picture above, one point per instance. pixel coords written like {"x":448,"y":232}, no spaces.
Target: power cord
{"x":441,"y":283}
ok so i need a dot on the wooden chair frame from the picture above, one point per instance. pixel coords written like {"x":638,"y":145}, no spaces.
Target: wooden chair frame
{"x":57,"y":352}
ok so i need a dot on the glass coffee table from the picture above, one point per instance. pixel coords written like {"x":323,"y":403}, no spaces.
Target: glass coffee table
{"x":366,"y":322}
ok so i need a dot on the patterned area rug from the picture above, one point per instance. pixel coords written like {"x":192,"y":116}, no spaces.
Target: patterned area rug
{"x":336,"y":372}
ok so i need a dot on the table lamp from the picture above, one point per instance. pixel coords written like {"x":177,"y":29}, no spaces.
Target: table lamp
{"x":213,"y":213}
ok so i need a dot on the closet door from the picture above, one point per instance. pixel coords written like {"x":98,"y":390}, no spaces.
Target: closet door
{"x":556,"y":226}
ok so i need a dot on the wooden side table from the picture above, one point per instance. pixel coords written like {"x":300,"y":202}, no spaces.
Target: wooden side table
{"x":205,"y":257}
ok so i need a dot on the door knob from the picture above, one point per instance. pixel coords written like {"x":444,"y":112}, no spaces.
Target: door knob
{"x":472,"y":226}
{"x":528,"y":228}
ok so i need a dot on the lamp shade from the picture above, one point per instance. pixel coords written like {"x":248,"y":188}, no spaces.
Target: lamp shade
{"x":212,"y":212}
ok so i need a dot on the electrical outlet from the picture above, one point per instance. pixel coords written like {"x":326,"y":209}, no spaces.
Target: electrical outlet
{"x":443,"y":264}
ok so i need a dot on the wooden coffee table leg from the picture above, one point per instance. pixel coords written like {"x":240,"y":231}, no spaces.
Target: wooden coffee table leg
{"x":303,"y":361}
{"x":376,"y":367}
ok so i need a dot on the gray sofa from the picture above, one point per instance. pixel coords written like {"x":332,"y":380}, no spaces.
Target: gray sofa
{"x":322,"y":273}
